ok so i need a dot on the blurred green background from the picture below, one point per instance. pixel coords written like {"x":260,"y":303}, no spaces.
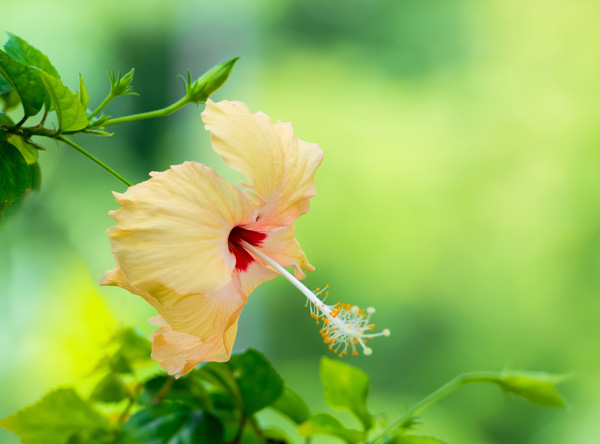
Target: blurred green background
{"x":459,"y":193}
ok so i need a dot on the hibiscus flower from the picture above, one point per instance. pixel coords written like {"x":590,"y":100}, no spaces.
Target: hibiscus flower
{"x":195,"y":247}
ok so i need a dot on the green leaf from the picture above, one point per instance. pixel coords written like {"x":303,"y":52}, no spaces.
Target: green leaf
{"x":58,"y":416}
{"x":292,"y":406}
{"x":29,"y":152}
{"x":83,"y":94}
{"x":5,"y":119}
{"x":69,"y":110}
{"x":203,"y":87}
{"x":172,"y":423}
{"x":28,"y":55}
{"x":10,"y":99}
{"x":4,"y":86}
{"x":133,"y":349}
{"x":324,"y":424}
{"x":24,"y":82}
{"x":15,"y":176}
{"x":188,"y":390}
{"x":346,"y":387}
{"x":258,"y":382}
{"x":110,"y":389}
{"x":536,"y":387}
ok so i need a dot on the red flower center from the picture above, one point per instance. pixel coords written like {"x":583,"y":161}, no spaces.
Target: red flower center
{"x":243,"y":259}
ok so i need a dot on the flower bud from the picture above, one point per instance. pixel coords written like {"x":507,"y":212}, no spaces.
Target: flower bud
{"x":203,"y":87}
{"x":120,"y":86}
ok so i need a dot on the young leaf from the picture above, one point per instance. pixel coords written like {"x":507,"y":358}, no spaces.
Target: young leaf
{"x":69,"y":111}
{"x":53,"y":420}
{"x":258,"y":381}
{"x":292,"y":406}
{"x":24,"y":82}
{"x":170,"y":423}
{"x":29,"y":152}
{"x":324,"y":424}
{"x":346,"y":387}
{"x":28,"y":55}
{"x":110,"y":389}
{"x":539,"y":388}
{"x":15,"y":175}
{"x":83,"y":94}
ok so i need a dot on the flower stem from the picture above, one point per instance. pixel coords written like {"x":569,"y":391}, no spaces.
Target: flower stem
{"x":443,"y":391}
{"x":102,"y":105}
{"x":150,"y":114}
{"x":95,"y":159}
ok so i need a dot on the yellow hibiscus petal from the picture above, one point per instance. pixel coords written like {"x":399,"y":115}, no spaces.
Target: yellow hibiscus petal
{"x":179,"y":353}
{"x":281,"y":246}
{"x":172,"y":230}
{"x":279,"y":166}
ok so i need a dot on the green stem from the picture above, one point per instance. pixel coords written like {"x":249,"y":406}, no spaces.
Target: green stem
{"x":443,"y":391}
{"x":164,"y":390}
{"x":102,"y":106}
{"x":98,"y":161}
{"x":150,"y":114}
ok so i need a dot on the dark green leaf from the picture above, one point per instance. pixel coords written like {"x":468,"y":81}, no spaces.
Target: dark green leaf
{"x":5,"y":119}
{"x":69,"y":111}
{"x":24,"y":82}
{"x":4,"y":86}
{"x":188,"y":390}
{"x":324,"y":424}
{"x":15,"y":176}
{"x":172,"y":423}
{"x":54,"y":419}
{"x":257,"y":380}
{"x":292,"y":406}
{"x":110,"y":389}
{"x":346,"y":387}
{"x":536,"y":387}
{"x":220,"y":376}
{"x":83,"y":94}
{"x":28,"y":55}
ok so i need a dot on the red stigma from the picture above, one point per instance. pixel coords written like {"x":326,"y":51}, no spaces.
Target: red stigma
{"x":243,"y":259}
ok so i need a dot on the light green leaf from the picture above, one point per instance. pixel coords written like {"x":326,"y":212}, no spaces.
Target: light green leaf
{"x":5,"y":119}
{"x":346,"y":387}
{"x":58,"y":416}
{"x":83,"y":94}
{"x":15,"y":175}
{"x":172,"y":423}
{"x":24,"y":82}
{"x":69,"y":111}
{"x":29,"y":152}
{"x":10,"y":99}
{"x":257,"y":380}
{"x":324,"y":424}
{"x":292,"y":406}
{"x":536,"y":387}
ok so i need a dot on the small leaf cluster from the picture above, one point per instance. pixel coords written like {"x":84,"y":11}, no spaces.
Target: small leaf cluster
{"x":131,"y":401}
{"x":31,"y":87}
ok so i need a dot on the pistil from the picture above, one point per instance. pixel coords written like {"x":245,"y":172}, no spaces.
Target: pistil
{"x":345,"y":326}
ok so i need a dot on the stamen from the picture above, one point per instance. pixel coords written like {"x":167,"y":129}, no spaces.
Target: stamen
{"x":344,"y":326}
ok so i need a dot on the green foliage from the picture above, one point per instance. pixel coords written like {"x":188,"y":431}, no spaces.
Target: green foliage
{"x":172,"y":423}
{"x":24,"y":82}
{"x":324,"y":424}
{"x":259,"y":384}
{"x":15,"y":175}
{"x":217,"y":403}
{"x":292,"y":406}
{"x":28,"y":55}
{"x":57,"y":417}
{"x":83,"y":94}
{"x":346,"y":387}
{"x":69,"y":110}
